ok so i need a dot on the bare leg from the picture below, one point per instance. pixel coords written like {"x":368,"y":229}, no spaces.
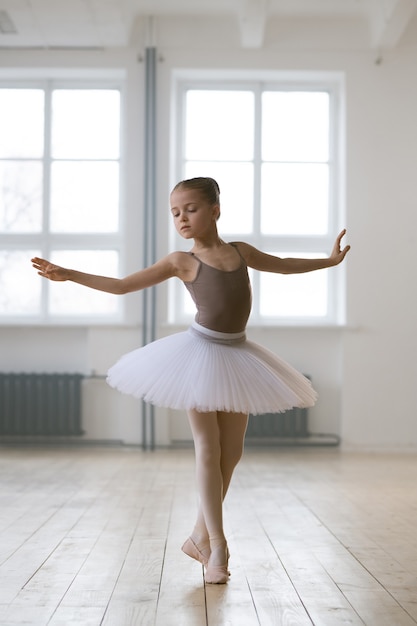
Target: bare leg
{"x":232,"y":427}
{"x":206,"y":437}
{"x":218,"y":439}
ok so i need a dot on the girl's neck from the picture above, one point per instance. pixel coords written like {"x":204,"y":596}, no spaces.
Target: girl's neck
{"x":208,"y":244}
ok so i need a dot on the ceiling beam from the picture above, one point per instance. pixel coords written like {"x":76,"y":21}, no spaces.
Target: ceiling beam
{"x":252,"y":20}
{"x":389,"y":20}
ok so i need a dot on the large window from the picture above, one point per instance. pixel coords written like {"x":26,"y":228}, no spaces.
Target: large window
{"x":274,"y":148}
{"x":59,"y":196}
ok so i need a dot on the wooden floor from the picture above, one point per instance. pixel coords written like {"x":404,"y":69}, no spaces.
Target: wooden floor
{"x":92,"y":536}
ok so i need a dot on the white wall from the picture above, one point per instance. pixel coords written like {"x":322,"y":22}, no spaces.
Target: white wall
{"x":380,"y":368}
{"x":365,"y":374}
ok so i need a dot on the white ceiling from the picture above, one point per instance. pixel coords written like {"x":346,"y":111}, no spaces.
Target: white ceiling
{"x":109,"y":23}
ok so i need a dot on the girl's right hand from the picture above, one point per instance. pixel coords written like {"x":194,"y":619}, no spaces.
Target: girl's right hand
{"x":49,"y":270}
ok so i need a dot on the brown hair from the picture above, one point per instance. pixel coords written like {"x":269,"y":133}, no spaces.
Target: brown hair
{"x":208,"y":187}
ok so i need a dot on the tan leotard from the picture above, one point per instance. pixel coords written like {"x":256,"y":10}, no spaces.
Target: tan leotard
{"x":223,"y":298}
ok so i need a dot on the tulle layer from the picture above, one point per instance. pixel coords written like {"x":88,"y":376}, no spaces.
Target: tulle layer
{"x":208,"y":371}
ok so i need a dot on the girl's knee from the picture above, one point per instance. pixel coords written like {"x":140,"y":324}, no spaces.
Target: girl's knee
{"x":234,"y":454}
{"x":207,"y":452}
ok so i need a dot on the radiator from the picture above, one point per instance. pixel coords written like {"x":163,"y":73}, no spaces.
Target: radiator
{"x":289,"y":425}
{"x":40,"y":404}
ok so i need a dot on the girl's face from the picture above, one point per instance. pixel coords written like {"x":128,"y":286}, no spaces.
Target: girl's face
{"x":193,"y":214}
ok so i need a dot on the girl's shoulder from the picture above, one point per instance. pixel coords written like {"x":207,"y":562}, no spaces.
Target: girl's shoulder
{"x":184,"y":263}
{"x":252,"y":256}
{"x":181,"y":259}
{"x":240,"y":245}
{"x":245,"y":250}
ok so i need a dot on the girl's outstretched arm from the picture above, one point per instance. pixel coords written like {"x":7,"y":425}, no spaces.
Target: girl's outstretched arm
{"x":160,"y":271}
{"x":269,"y":263}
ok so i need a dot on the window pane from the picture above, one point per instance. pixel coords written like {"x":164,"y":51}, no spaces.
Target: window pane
{"x":84,"y":197}
{"x":295,"y":126}
{"x":72,"y":299}
{"x":236,"y":193}
{"x":294,"y":295}
{"x":20,"y":287}
{"x":21,"y":123}
{"x":85,"y":123}
{"x":219,"y":125}
{"x":20,"y":196}
{"x":294,"y":199}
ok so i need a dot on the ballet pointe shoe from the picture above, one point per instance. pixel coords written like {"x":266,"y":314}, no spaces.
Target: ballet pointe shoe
{"x":217,"y":574}
{"x":191,"y":549}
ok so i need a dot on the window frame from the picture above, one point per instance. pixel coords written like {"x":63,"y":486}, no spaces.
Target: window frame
{"x":258,"y":81}
{"x":45,"y":240}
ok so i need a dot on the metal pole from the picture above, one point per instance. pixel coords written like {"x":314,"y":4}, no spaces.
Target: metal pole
{"x":149,"y":233}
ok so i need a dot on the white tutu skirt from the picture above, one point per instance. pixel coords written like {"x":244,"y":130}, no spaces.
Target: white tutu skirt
{"x":211,"y":371}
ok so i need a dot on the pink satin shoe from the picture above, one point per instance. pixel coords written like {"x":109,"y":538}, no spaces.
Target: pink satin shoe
{"x":217,"y":574}
{"x":190,"y":549}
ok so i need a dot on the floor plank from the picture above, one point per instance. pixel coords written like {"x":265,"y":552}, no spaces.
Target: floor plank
{"x":92,"y":536}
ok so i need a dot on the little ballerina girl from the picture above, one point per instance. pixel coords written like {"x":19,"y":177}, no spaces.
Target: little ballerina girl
{"x":211,"y":370}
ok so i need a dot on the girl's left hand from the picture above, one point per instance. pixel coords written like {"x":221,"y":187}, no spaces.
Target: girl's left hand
{"x":338,"y":254}
{"x":49,"y":270}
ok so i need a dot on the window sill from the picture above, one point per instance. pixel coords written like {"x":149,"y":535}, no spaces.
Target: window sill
{"x":266,"y":326}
